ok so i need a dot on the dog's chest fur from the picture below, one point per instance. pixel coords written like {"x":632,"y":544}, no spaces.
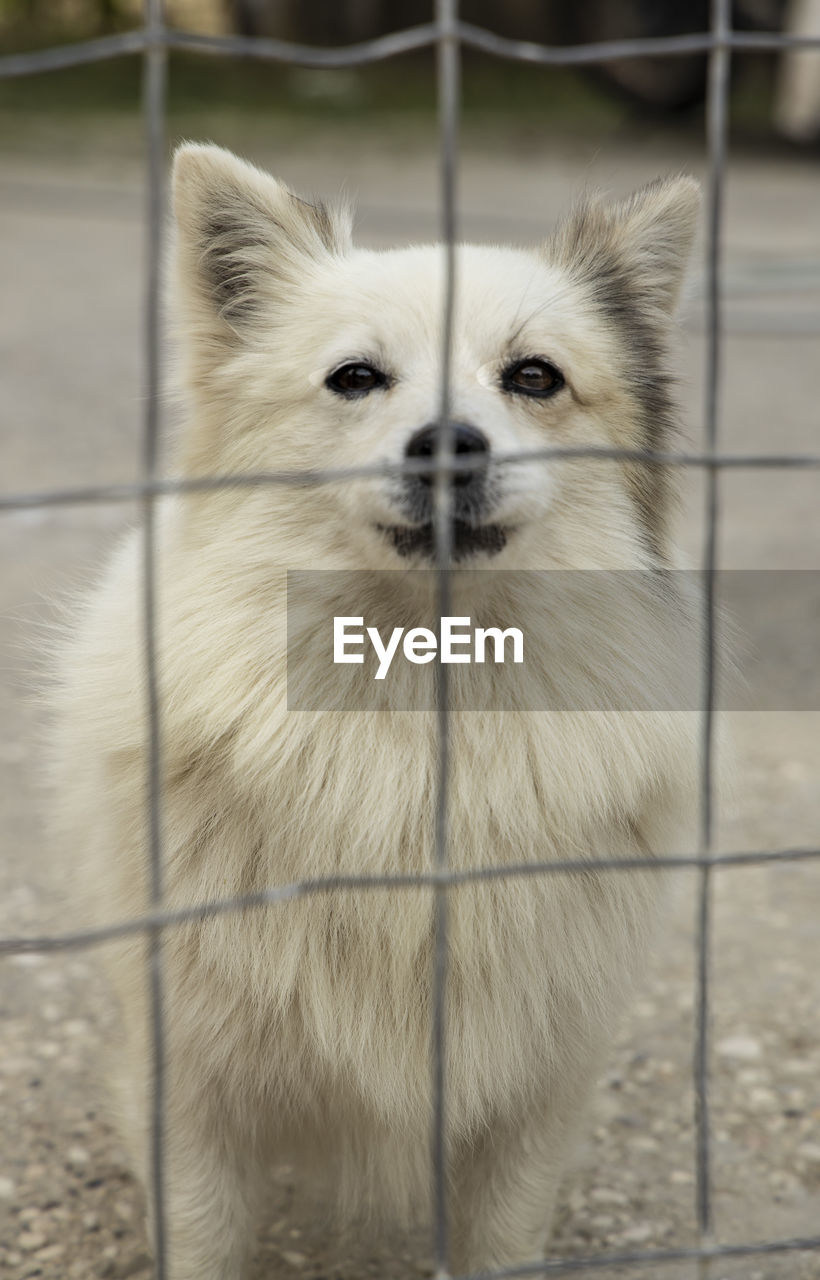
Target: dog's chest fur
{"x":348,"y":975}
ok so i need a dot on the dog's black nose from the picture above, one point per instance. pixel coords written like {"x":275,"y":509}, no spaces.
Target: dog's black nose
{"x":466,"y":440}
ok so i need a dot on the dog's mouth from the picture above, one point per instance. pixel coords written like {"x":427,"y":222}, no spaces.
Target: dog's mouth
{"x":468,"y":540}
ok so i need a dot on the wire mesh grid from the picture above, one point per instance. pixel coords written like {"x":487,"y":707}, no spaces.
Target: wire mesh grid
{"x":447,"y":35}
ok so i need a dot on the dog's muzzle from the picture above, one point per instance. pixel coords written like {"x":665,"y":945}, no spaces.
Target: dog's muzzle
{"x":471,"y":453}
{"x":469,"y":491}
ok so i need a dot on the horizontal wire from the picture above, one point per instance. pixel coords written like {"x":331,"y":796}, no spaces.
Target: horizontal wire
{"x":393,"y":45}
{"x":421,"y":880}
{"x":565,"y":1266}
{"x":13,"y":65}
{"x":304,"y":55}
{"x":127,"y":492}
{"x":485,"y":41}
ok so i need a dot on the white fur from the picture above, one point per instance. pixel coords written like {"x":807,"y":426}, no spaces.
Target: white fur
{"x":302,"y":1031}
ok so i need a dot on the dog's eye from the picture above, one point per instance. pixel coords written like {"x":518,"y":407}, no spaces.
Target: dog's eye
{"x":355,"y":379}
{"x":533,"y":377}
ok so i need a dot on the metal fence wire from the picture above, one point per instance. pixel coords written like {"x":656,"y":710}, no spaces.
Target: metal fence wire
{"x":447,"y":35}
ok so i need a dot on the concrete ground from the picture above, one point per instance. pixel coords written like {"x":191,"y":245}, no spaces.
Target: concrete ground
{"x":71,"y":243}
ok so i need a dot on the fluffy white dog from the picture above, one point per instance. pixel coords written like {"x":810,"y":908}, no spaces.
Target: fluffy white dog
{"x":302,"y":1031}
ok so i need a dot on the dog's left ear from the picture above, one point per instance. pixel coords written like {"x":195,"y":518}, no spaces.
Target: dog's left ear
{"x":243,"y":240}
{"x":636,"y":248}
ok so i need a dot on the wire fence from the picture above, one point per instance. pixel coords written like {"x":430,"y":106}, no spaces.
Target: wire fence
{"x":447,"y":35}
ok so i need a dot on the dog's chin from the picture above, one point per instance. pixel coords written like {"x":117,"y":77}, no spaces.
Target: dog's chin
{"x":469,"y":541}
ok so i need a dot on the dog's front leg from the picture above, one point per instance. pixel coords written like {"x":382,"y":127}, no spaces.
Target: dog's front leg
{"x":504,"y":1187}
{"x":210,"y":1207}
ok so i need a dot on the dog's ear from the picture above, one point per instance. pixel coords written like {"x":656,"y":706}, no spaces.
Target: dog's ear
{"x":633,"y":252}
{"x":243,"y":239}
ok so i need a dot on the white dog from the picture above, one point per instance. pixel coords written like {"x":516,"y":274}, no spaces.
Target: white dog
{"x":302,"y":1031}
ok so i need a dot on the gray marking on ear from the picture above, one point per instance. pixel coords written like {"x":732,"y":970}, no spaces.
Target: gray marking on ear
{"x":631,"y":258}
{"x":239,"y":247}
{"x":229,"y":261}
{"x":244,"y":239}
{"x":651,"y":383}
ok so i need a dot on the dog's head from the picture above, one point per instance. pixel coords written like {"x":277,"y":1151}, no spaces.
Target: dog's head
{"x":306,"y":353}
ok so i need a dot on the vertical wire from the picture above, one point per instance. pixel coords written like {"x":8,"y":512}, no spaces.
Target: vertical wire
{"x":717,"y":136}
{"x":155,"y":71}
{"x":448,"y":89}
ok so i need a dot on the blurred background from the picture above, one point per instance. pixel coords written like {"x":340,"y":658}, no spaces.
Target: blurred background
{"x":72,"y":263}
{"x":774,"y":95}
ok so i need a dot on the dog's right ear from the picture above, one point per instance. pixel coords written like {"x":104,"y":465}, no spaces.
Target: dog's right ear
{"x":243,"y":241}
{"x":633,"y":252}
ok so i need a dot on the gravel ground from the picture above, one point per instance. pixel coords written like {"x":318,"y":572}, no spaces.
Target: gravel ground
{"x":69,"y":344}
